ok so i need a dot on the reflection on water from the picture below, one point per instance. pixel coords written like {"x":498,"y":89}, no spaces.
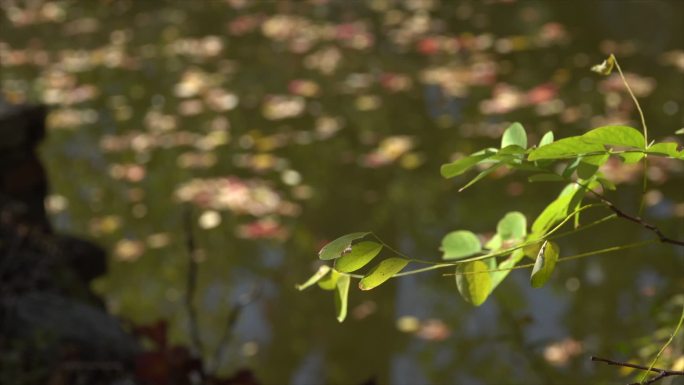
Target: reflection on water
{"x":286,"y":124}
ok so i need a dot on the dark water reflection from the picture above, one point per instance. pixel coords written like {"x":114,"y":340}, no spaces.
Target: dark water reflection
{"x":148,"y":97}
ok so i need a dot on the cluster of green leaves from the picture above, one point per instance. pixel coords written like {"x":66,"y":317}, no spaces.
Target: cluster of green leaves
{"x":481,"y":267}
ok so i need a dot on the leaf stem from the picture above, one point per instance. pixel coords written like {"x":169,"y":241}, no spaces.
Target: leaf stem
{"x":657,"y":357}
{"x":636,"y":102}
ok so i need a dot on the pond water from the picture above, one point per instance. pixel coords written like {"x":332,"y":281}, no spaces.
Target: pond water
{"x":283,"y":125}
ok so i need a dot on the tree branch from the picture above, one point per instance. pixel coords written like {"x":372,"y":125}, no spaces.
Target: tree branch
{"x":635,"y":219}
{"x":662,"y":373}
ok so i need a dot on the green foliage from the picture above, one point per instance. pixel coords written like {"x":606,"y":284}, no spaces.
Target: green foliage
{"x":460,"y":244}
{"x":575,"y":161}
{"x":382,"y":272}
{"x":474,"y":282}
{"x":545,"y":263}
{"x":361,"y":254}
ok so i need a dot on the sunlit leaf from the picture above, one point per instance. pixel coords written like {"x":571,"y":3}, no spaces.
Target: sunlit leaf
{"x":508,"y":263}
{"x":545,"y":263}
{"x":382,"y":272}
{"x":589,"y":165}
{"x":329,"y":282}
{"x":322,"y":271}
{"x":606,"y":67}
{"x":631,"y":157}
{"x":361,"y":254}
{"x":553,"y":213}
{"x":615,"y":136}
{"x":546,"y":139}
{"x":460,"y":244}
{"x":341,"y":297}
{"x":668,"y":148}
{"x":512,"y":226}
{"x":474,"y":282}
{"x":335,"y":248}
{"x":565,"y":148}
{"x":481,"y":176}
{"x":514,"y":135}
{"x":462,"y":165}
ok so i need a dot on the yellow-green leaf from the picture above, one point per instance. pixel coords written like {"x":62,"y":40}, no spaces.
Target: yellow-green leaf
{"x":341,"y":297}
{"x":329,"y":282}
{"x":606,"y":67}
{"x":545,"y":263}
{"x":361,"y":254}
{"x":667,"y":148}
{"x":335,"y":248}
{"x":512,"y":226}
{"x":565,"y":148}
{"x":460,"y":244}
{"x":615,"y":136}
{"x":514,"y":135}
{"x":474,"y":282}
{"x":462,"y":165}
{"x":382,"y":272}
{"x":322,"y":271}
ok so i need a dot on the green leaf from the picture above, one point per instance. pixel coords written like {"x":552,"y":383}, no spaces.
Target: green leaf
{"x":361,"y":254}
{"x":341,"y":297}
{"x":589,"y":165}
{"x":546,"y":139}
{"x":508,"y":263}
{"x":335,"y":248}
{"x":330,"y":281}
{"x":494,"y":243}
{"x":512,"y":226}
{"x":606,"y":67}
{"x":545,"y":178}
{"x":631,"y":157}
{"x":615,"y":136}
{"x":382,"y":272}
{"x":553,"y":213}
{"x":668,"y":148}
{"x":545,"y":263}
{"x":565,"y":148}
{"x":322,"y":271}
{"x":480,"y":176}
{"x":474,"y":282}
{"x":462,"y":165}
{"x":460,"y":244}
{"x":514,"y":134}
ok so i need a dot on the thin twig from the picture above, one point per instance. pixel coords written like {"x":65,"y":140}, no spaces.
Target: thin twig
{"x":233,"y":315}
{"x":662,"y":373}
{"x":191,"y":285}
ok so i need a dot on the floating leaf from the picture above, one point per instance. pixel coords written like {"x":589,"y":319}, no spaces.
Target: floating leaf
{"x":565,"y":148}
{"x":668,"y":148}
{"x":361,"y":254}
{"x":474,"y":282}
{"x":606,"y":67}
{"x":631,"y":157}
{"x":382,"y":272}
{"x":514,"y":135}
{"x":335,"y":248}
{"x":330,"y":281}
{"x":460,"y":244}
{"x":545,"y":263}
{"x":546,"y":139}
{"x":322,"y":271}
{"x":462,"y":165}
{"x":512,"y":226}
{"x":615,"y":136}
{"x":341,"y":297}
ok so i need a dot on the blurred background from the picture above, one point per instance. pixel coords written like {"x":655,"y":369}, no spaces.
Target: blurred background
{"x":277,"y":126}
